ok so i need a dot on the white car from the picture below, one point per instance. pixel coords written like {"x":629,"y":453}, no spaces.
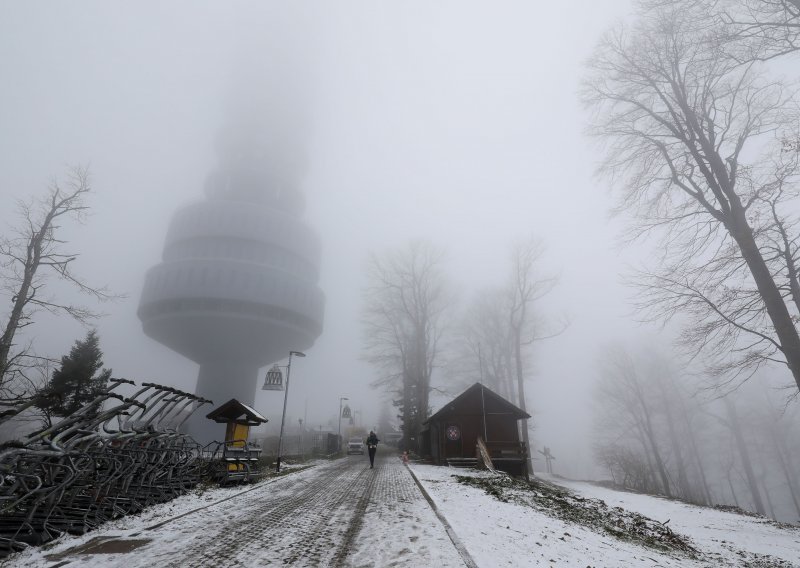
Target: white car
{"x":355,"y":446}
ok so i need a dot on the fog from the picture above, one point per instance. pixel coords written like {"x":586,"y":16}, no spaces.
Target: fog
{"x":454,"y":122}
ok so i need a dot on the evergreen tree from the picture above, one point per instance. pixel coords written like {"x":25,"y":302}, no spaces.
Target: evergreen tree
{"x":78,"y":381}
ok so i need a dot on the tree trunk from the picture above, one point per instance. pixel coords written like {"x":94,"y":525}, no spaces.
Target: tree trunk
{"x":767,"y":497}
{"x":745,"y":457}
{"x":701,"y":470}
{"x":696,"y":453}
{"x":660,"y":467}
{"x":786,"y":467}
{"x":773,"y":300}
{"x":408,"y":422}
{"x":510,"y":378}
{"x":651,"y":469}
{"x":647,"y":425}
{"x":21,"y":298}
{"x":521,"y":395}
{"x":733,"y":491}
{"x":683,"y":480}
{"x":423,"y":380}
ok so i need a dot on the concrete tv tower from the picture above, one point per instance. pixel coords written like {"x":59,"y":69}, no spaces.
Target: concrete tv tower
{"x":237,"y":286}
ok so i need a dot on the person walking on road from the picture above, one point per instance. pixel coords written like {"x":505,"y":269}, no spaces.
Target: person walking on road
{"x":372,"y":446}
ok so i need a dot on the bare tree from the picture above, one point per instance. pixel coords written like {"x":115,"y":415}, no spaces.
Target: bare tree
{"x":27,"y":258}
{"x":679,"y":417}
{"x":404,"y":305}
{"x":627,"y":467}
{"x":527,"y":326}
{"x":483,"y":344}
{"x":625,"y":414}
{"x":762,"y":29}
{"x":502,"y":324}
{"x":696,"y":143}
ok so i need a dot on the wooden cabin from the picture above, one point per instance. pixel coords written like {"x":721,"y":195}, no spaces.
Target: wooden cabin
{"x":450,"y":436}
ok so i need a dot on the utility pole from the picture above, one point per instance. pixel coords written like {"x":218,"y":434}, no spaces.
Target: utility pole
{"x":339,"y":442}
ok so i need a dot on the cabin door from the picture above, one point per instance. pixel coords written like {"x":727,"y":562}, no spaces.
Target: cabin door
{"x":452,"y":441}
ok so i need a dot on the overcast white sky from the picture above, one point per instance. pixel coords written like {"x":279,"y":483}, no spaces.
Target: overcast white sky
{"x":458,"y":122}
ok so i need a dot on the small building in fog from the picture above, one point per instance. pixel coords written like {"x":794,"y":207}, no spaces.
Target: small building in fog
{"x":450,"y":436}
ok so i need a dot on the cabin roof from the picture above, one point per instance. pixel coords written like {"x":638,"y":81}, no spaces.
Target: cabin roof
{"x":235,"y":411}
{"x":495,"y":399}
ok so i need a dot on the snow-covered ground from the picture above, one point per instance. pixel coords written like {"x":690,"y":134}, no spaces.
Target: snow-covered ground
{"x":397,"y":526}
{"x":730,"y":537}
{"x":511,"y":534}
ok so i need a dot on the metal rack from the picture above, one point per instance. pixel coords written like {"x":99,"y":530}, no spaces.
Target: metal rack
{"x":113,"y":457}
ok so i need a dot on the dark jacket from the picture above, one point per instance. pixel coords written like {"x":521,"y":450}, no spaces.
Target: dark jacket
{"x":372,"y":440}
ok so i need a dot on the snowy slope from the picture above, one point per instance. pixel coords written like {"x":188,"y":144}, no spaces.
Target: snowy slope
{"x":510,"y":534}
{"x":723,"y":535}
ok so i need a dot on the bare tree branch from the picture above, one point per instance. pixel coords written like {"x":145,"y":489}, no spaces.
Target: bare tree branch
{"x":27,"y":258}
{"x":695,"y":143}
{"x":404,"y":306}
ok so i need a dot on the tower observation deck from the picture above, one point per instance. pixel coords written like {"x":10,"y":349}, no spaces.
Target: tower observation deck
{"x":237,"y":286}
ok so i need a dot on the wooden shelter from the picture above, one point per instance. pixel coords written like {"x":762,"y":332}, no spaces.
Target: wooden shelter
{"x":239,"y":418}
{"x":237,"y":459}
{"x":450,"y":436}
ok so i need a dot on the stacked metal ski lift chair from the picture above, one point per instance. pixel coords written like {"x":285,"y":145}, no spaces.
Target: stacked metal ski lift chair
{"x":84,"y":470}
{"x":45,"y":471}
{"x":166,"y":463}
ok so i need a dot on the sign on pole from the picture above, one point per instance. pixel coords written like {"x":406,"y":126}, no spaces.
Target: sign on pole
{"x":274,"y":380}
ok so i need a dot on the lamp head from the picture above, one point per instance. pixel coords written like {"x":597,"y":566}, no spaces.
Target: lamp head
{"x":297,"y":353}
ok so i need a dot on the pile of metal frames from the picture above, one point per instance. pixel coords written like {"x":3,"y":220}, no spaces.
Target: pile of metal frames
{"x":113,"y":457}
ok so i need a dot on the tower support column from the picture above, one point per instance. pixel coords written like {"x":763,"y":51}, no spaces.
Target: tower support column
{"x":220,"y":382}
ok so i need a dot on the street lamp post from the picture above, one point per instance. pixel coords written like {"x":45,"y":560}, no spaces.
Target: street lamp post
{"x":285,"y":398}
{"x":300,"y":421}
{"x":341,"y":398}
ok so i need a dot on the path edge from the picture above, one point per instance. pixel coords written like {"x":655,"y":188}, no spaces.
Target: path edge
{"x":462,"y":550}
